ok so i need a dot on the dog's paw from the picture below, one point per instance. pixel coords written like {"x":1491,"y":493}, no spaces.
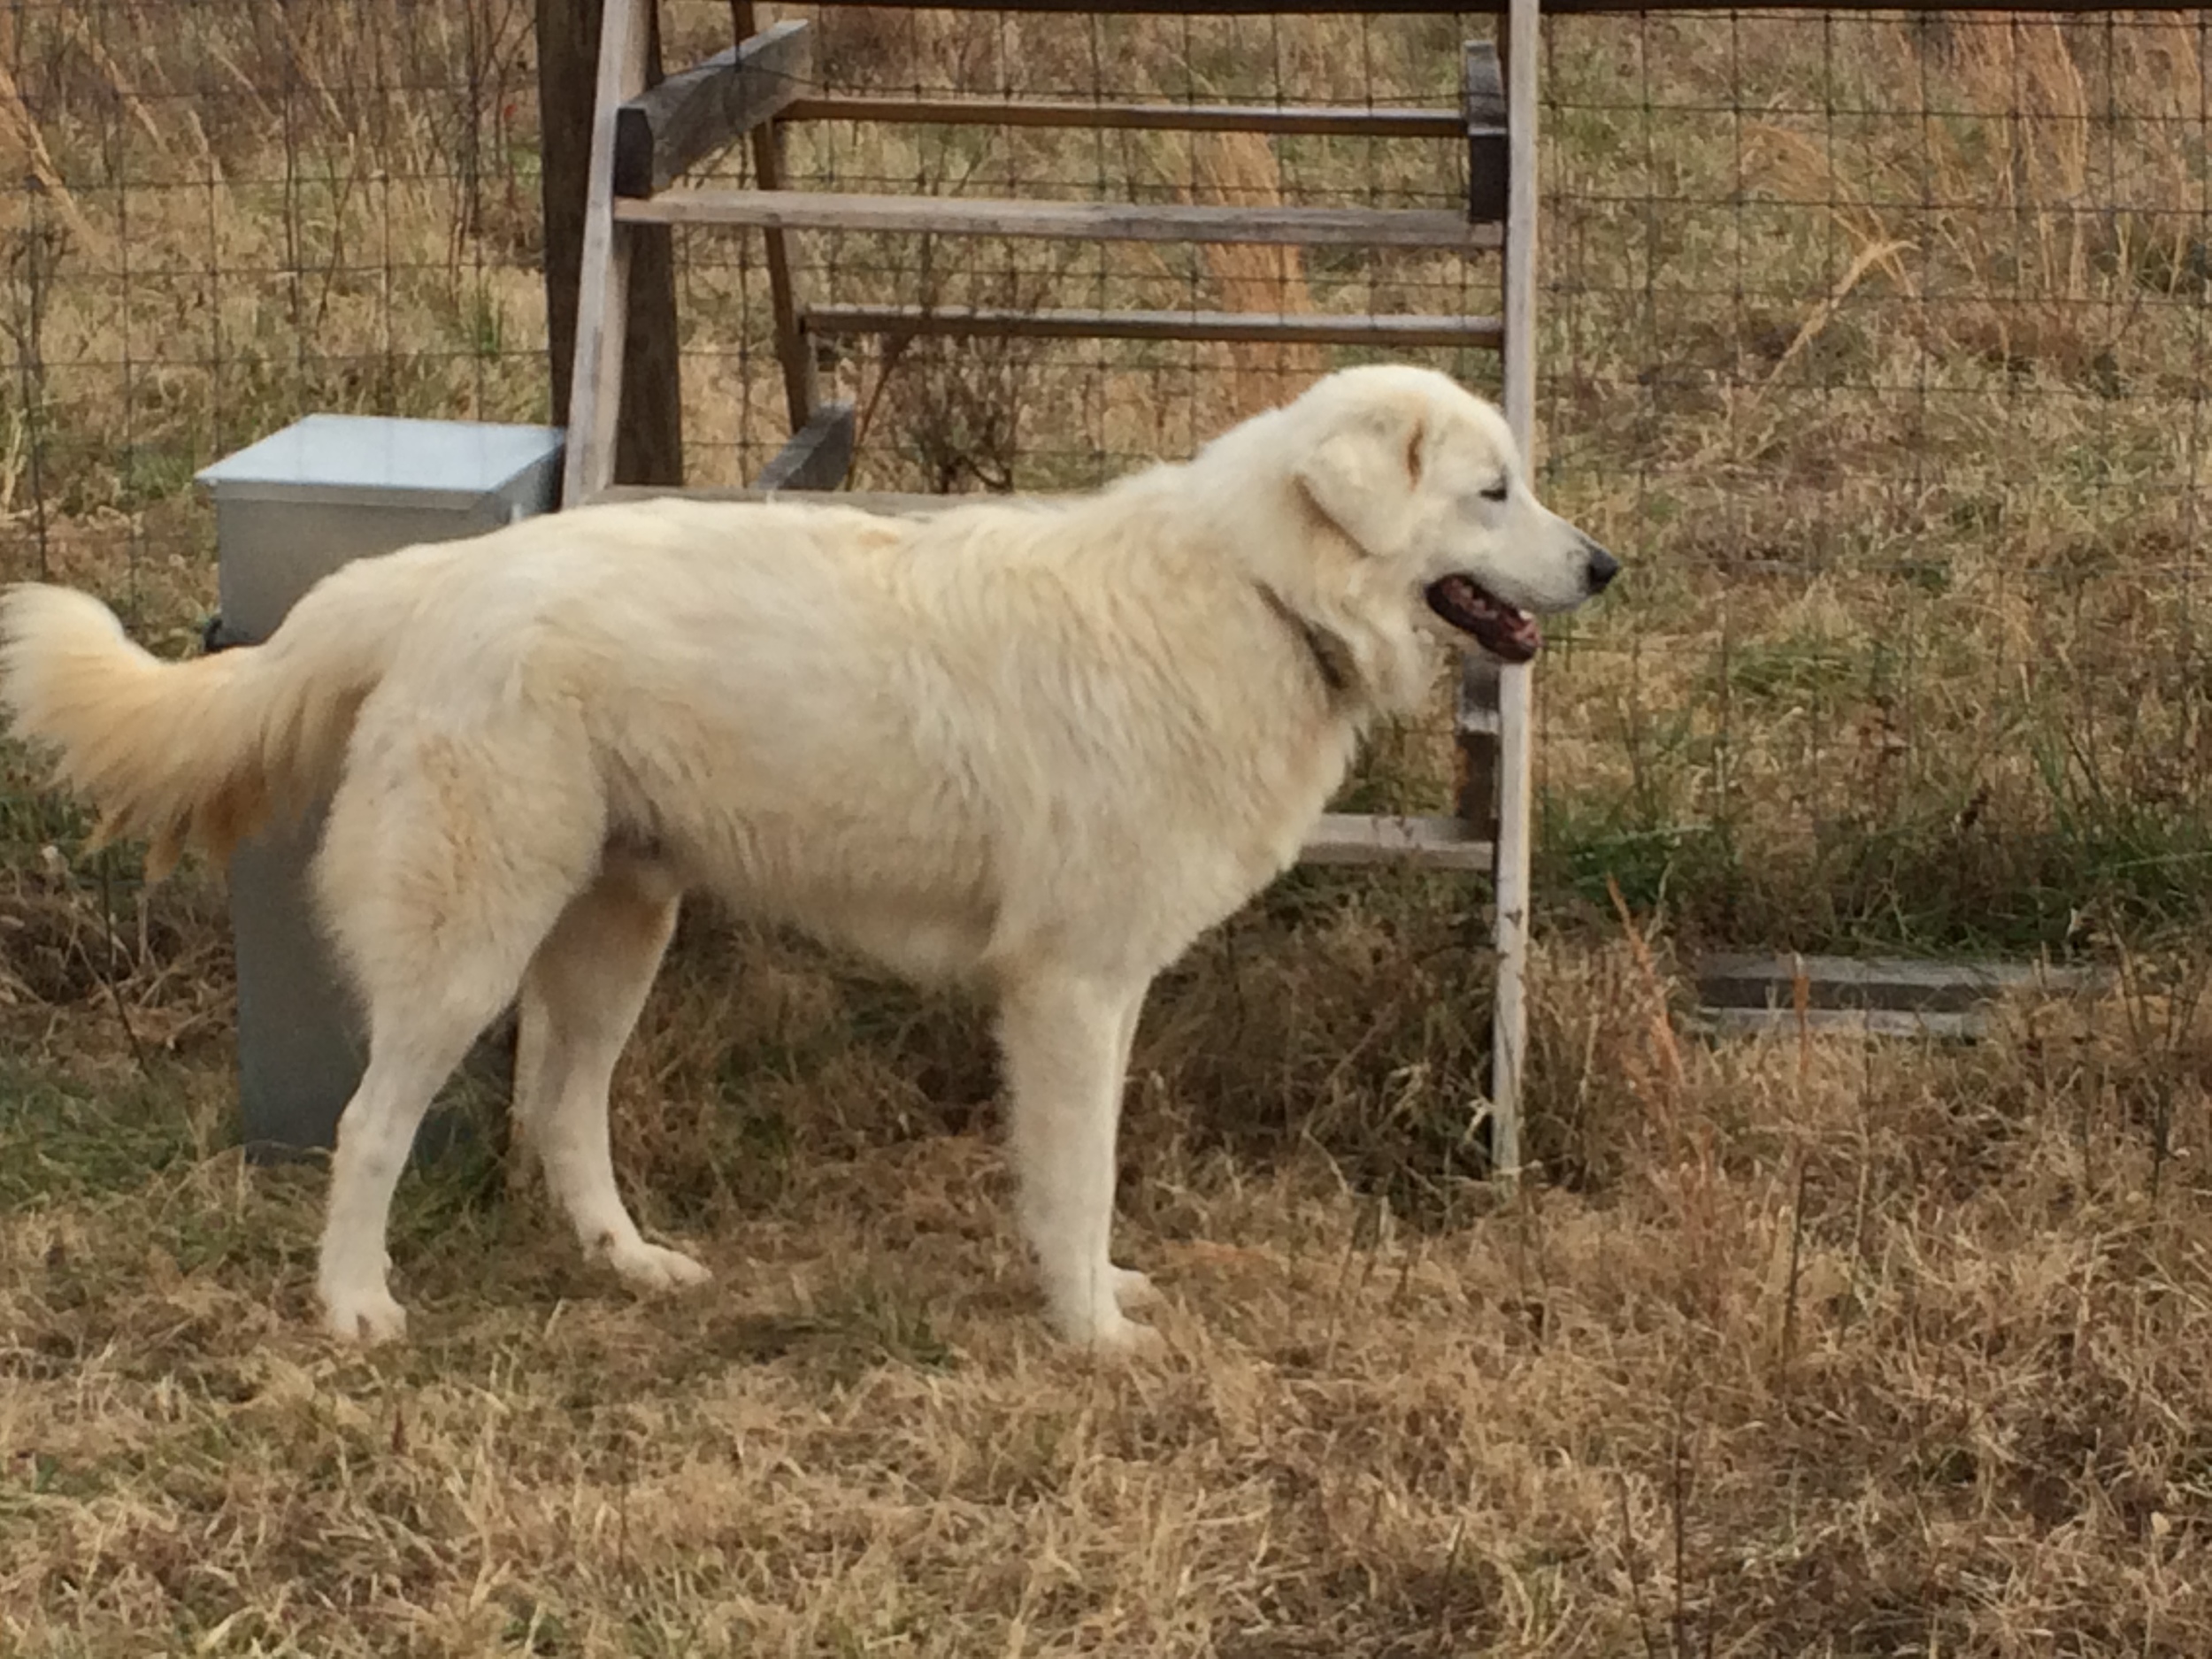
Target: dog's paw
{"x":1125,"y":1339}
{"x":366,"y":1316}
{"x":650,"y":1268}
{"x":1133,"y":1289}
{"x":1106,"y":1332}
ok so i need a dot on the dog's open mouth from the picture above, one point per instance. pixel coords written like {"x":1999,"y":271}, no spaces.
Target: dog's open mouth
{"x":1505,"y":631}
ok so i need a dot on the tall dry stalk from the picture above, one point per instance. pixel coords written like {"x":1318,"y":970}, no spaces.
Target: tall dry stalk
{"x":1239,"y":169}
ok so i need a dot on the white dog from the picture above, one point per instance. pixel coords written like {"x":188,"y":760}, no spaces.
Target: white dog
{"x":1043,"y":746}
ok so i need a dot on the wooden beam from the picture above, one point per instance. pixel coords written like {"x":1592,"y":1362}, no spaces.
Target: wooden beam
{"x":792,"y":355}
{"x":690,"y":116}
{"x":1521,"y":39}
{"x":1475,"y":730}
{"x":1483,"y":95}
{"x":1356,"y":838}
{"x":1893,"y":1024}
{"x":1755,"y":993}
{"x":1749,"y":980}
{"x":970,"y":321}
{"x":568,"y":75}
{"x":604,"y":286}
{"x":649,"y":445}
{"x":1074,"y":221}
{"x":1175,"y":118}
{"x":819,"y":455}
{"x":602,"y":289}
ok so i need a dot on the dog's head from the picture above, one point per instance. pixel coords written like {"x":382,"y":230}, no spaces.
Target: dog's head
{"x":1424,"y":480}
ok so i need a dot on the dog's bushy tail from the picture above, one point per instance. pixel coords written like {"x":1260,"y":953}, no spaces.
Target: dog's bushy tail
{"x":201,"y":752}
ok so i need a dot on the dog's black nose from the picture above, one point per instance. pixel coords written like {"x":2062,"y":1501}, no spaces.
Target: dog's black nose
{"x":1603,"y":569}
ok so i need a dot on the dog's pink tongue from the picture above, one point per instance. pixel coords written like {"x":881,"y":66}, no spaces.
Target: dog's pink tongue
{"x":1526,"y":633}
{"x":1505,"y":631}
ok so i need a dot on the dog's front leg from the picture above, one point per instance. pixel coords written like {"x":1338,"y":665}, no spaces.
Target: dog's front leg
{"x":1066,"y":1044}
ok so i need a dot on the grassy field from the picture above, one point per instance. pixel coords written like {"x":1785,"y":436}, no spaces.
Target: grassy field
{"x":1794,"y":1348}
{"x":1878,"y":350}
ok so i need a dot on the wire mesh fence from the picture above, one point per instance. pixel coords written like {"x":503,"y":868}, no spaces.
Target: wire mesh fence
{"x":1882,"y":341}
{"x":1875,"y":341}
{"x":226,"y":215}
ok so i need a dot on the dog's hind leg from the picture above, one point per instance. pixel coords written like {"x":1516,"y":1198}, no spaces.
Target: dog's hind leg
{"x":437,"y":889}
{"x":580,"y":999}
{"x":408,"y":1058}
{"x":1066,"y":1044}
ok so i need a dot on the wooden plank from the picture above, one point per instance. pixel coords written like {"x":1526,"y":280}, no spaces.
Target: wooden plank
{"x":1429,"y":842}
{"x":1315,"y":121}
{"x":568,"y":75}
{"x":967,"y":321}
{"x":1765,"y":980}
{"x":1520,"y":40}
{"x":1896,"y":1024}
{"x":690,"y":116}
{"x":1520,"y":36}
{"x":819,"y":455}
{"x":602,"y":289}
{"x":1073,"y":221}
{"x":649,"y":446}
{"x":1483,"y":108}
{"x":792,"y":354}
{"x":1476,"y":728}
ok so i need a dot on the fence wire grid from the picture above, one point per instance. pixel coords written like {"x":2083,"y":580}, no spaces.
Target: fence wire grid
{"x":1874,"y":343}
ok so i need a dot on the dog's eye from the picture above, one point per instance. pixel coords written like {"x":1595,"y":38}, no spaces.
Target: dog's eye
{"x":1498,"y":491}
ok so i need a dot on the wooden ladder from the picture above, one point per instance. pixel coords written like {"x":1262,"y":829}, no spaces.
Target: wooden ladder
{"x":644,"y":142}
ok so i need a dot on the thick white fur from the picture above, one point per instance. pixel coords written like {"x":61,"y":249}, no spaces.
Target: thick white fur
{"x":1042,"y":747}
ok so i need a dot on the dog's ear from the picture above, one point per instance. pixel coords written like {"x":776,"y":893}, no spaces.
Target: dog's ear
{"x":1362,"y":478}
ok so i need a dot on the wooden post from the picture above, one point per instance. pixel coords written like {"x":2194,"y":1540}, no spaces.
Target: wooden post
{"x":649,"y":448}
{"x":1489,"y":166}
{"x":1489,"y":143}
{"x":792,"y":351}
{"x":1520,"y":34}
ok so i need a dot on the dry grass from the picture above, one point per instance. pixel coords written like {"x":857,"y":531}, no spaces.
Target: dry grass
{"x":1877,"y":347}
{"x":1801,"y":1349}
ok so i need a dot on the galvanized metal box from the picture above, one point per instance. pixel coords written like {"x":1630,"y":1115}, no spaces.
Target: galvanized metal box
{"x":289,"y":511}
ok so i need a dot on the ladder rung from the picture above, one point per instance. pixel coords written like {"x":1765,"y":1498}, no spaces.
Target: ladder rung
{"x":698,"y":111}
{"x":1075,"y":221}
{"x":1353,"y":838}
{"x":1303,"y":327}
{"x":1321,"y":121}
